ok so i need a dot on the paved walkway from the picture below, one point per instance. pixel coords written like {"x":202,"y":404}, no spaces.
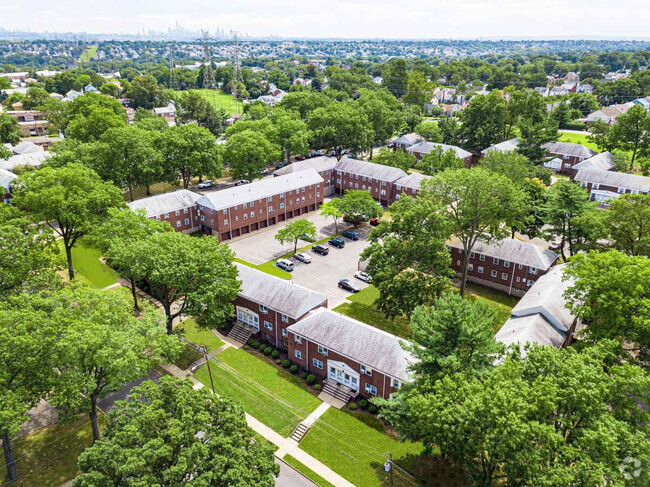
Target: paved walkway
{"x":317,"y":413}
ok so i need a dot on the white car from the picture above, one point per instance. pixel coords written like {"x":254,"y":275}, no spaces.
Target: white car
{"x":362,"y":276}
{"x":206,"y":184}
{"x":303,"y":257}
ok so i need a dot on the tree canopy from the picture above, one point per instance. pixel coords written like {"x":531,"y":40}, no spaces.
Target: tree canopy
{"x":301,"y":229}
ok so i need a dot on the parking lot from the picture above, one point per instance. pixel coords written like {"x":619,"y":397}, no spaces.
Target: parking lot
{"x":324,"y":272}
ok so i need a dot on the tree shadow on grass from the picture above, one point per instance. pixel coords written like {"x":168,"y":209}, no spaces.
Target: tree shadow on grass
{"x":425,"y":470}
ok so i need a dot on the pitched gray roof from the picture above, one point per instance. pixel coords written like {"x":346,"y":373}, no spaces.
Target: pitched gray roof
{"x":409,"y":139}
{"x":413,"y":180}
{"x":530,"y":329}
{"x":6,"y":177}
{"x":566,"y":148}
{"x":35,"y":159}
{"x":514,"y":250}
{"x":602,"y":162}
{"x":26,"y":148}
{"x":617,"y":179}
{"x":426,"y":148}
{"x":318,"y":164}
{"x":505,"y":146}
{"x":360,"y":342}
{"x":164,"y":203}
{"x":277,"y":294}
{"x":369,"y":169}
{"x":237,"y":195}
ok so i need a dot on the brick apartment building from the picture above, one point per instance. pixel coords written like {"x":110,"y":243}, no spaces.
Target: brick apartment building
{"x":375,"y":178}
{"x":408,"y":186}
{"x":566,"y":155}
{"x":351,"y":356}
{"x":510,"y":266}
{"x":243,"y":209}
{"x":603,"y":162}
{"x":268,"y":305}
{"x":505,"y":146}
{"x":323,"y":165}
{"x":178,"y":208}
{"x":405,"y":141}
{"x":605,"y":185}
{"x":423,"y":148}
{"x":31,"y":122}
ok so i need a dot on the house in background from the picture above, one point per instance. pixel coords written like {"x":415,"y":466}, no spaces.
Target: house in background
{"x":353,"y":358}
{"x":541,"y":316}
{"x":6,"y":177}
{"x":511,"y":266}
{"x":405,"y":141}
{"x":602,"y":162}
{"x":569,"y":154}
{"x":423,"y":148}
{"x":34,"y":159}
{"x":505,"y":146}
{"x":168,"y":112}
{"x":605,"y":185}
{"x":31,"y":122}
{"x":323,"y":165}
{"x":177,"y":208}
{"x":409,"y":185}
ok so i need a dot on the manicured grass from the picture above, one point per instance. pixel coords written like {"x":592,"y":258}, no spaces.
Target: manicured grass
{"x":88,"y":55}
{"x":268,"y":267}
{"x":306,"y":471}
{"x":361,"y":306}
{"x":199,"y":336}
{"x":49,"y":456}
{"x":273,"y":396}
{"x":355,"y":449}
{"x":220,"y":100}
{"x":501,"y":302}
{"x":85,"y":259}
{"x":156,"y":188}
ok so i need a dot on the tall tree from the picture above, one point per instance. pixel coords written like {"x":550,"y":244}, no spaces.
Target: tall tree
{"x":248,"y":153}
{"x":189,"y":276}
{"x":208,"y":435}
{"x":430,"y":131}
{"x":194,"y":107}
{"x":359,"y":204}
{"x":90,"y":115}
{"x":395,"y":76}
{"x":400,"y":159}
{"x":631,"y":132}
{"x":484,"y":122}
{"x":480,"y":206}
{"x":189,"y":151}
{"x":9,"y":129}
{"x":295,"y":231}
{"x":384,"y":113}
{"x":407,"y":257}
{"x":341,"y":128}
{"x":533,"y":136}
{"x":330,"y":209}
{"x":418,"y":90}
{"x":628,"y":220}
{"x":439,"y":160}
{"x":291,"y":133}
{"x":103,"y":347}
{"x":146,"y":92}
{"x":72,"y":200}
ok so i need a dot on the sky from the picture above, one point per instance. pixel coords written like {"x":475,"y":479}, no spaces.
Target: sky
{"x":415,"y":19}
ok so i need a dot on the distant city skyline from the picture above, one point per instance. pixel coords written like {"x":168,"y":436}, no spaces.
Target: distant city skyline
{"x":503,"y":19}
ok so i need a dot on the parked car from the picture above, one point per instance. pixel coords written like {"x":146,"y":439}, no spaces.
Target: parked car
{"x":208,"y":183}
{"x":337,"y":242}
{"x":320,"y":249}
{"x":285,"y":265}
{"x":264,"y":172}
{"x":349,"y":285}
{"x":374,"y":222}
{"x":281,"y":164}
{"x":362,"y":276}
{"x":241,"y":181}
{"x":303,"y":257}
{"x":557,"y":246}
{"x":351,"y":219}
{"x":351,"y":234}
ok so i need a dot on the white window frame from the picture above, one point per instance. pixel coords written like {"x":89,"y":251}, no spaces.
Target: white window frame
{"x":298,"y":354}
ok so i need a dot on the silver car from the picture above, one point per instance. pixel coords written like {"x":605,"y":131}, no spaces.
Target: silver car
{"x":303,"y":257}
{"x":362,"y":276}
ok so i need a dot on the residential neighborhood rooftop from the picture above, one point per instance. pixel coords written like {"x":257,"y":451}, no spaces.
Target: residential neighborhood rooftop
{"x":617,"y":179}
{"x":165,"y":203}
{"x":505,"y":146}
{"x":569,"y":149}
{"x":318,"y":164}
{"x":513,"y":250}
{"x":602,"y":162}
{"x":426,"y":148}
{"x":369,"y":169}
{"x":34,"y":159}
{"x":413,"y":180}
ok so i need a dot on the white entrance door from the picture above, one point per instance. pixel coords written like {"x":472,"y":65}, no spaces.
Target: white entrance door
{"x":343,"y":374}
{"x":246,"y":316}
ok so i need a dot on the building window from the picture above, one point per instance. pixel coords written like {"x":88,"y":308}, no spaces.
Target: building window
{"x":480,"y":269}
{"x":270,"y":198}
{"x":504,"y":276}
{"x":470,"y":267}
{"x":185,"y":211}
{"x":533,"y":271}
{"x":472,"y":255}
{"x":370,"y":389}
{"x":225,"y":212}
{"x":158,"y":218}
{"x":245,"y":216}
{"x":366,"y":370}
{"x":178,"y":224}
{"x":212,"y":221}
{"x":285,"y":333}
{"x":270,"y":209}
{"x":298,"y":339}
{"x":495,"y":261}
{"x":225,"y":222}
{"x":298,"y":354}
{"x":282,"y":206}
{"x":322,"y":350}
{"x":177,"y":212}
{"x":236,"y":218}
{"x":245,"y":205}
{"x":481,"y":257}
{"x":303,"y":199}
{"x":317,"y":363}
{"x":268,"y":326}
{"x":506,"y":263}
{"x":494,"y":273}
{"x":202,"y":218}
{"x":395,"y":383}
{"x":263,"y":309}
{"x":166,"y":215}
{"x":285,"y":318}
{"x":383,"y":192}
{"x":520,"y":266}
{"x":252,"y":214}
{"x":529,"y":283}
{"x":252,"y":204}
{"x":518,"y":279}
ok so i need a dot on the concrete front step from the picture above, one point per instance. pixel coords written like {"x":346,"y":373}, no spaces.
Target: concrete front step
{"x":300,"y":432}
{"x":336,"y":392}
{"x":240,"y":333}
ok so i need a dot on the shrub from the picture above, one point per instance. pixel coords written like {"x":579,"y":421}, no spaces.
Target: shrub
{"x":303,"y":375}
{"x":311,"y":379}
{"x":285,"y":363}
{"x":275,"y":354}
{"x":363,"y":404}
{"x":246,"y":347}
{"x":318,"y":387}
{"x":372,"y":409}
{"x":267,"y":351}
{"x":293,"y":368}
{"x":278,"y":361}
{"x":254,"y":343}
{"x":353,"y":406}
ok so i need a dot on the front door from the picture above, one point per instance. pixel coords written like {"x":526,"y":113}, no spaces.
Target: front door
{"x":343,"y":374}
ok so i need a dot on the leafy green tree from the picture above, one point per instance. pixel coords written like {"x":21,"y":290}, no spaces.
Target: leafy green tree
{"x":295,"y":231}
{"x":211,"y":441}
{"x":341,"y":128}
{"x":450,"y":130}
{"x":484,"y":122}
{"x":90,"y":115}
{"x":330,"y":209}
{"x":511,"y":164}
{"x":384,"y":113}
{"x":9,"y":129}
{"x":189,"y":276}
{"x":395,"y":76}
{"x":248,"y":153}
{"x":479,"y":204}
{"x":571,"y":419}
{"x":400,"y":159}
{"x":631,"y":132}
{"x":291,"y":133}
{"x":566,"y":201}
{"x":600,"y":135}
{"x":304,"y":102}
{"x":430,"y":131}
{"x":5,"y":83}
{"x":146,"y":92}
{"x":533,"y":136}
{"x":611,"y":293}
{"x":27,"y":338}
{"x":412,"y":118}
{"x":109,"y":89}
{"x":189,"y":151}
{"x":72,"y":200}
{"x":194,"y":107}
{"x":35,"y":98}
{"x":358,"y":204}
{"x":439,"y":160}
{"x":628,"y":220}
{"x":418,"y":90}
{"x":55,"y":112}
{"x":103,"y":347}
{"x":407,"y":257}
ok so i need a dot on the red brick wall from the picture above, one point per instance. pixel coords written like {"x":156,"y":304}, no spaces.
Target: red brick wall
{"x":346,"y":181}
{"x":177,"y":219}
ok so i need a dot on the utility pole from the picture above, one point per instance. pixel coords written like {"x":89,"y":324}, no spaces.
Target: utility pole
{"x":207,"y":361}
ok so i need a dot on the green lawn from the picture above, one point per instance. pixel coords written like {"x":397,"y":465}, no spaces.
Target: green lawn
{"x":577,"y":139}
{"x":87,"y":265}
{"x":501,"y":302}
{"x":156,"y":188}
{"x":361,"y":306}
{"x":220,"y":100}
{"x":88,"y":55}
{"x":306,"y":471}
{"x":355,"y":450}
{"x":268,"y":267}
{"x":273,"y":396}
{"x":199,"y":336}
{"x":49,"y":457}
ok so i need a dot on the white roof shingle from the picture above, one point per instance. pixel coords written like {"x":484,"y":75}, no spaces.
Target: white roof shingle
{"x":164,"y":203}
{"x":514,"y":250}
{"x":602,"y":162}
{"x":369,"y":169}
{"x":35,"y":159}
{"x":318,"y":164}
{"x":6,"y":177}
{"x":413,"y":180}
{"x":569,"y":149}
{"x":616,"y":179}
{"x":505,"y":146}
{"x":426,"y":148}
